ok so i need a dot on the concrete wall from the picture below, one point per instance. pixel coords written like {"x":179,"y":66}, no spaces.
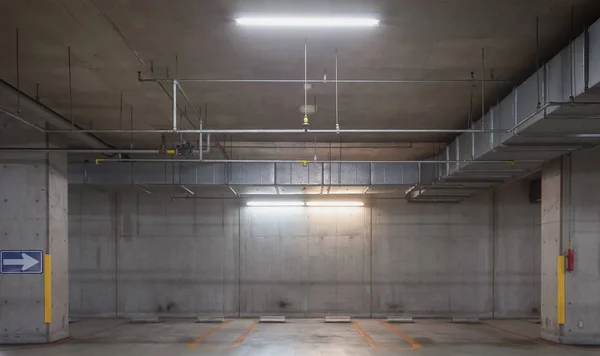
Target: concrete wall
{"x":571,"y":213}
{"x":551,"y":226}
{"x":135,"y":253}
{"x":33,"y":216}
{"x":305,"y":261}
{"x":582,"y":286}
{"x":146,"y":254}
{"x":517,"y":252}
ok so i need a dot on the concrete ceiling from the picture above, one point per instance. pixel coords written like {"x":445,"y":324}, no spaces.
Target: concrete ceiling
{"x":417,"y":39}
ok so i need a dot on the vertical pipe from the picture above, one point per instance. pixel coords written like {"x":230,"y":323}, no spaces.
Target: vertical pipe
{"x":470,"y":119}
{"x":337,"y":120}
{"x":586,"y":59}
{"x":120,"y":118}
{"x":482,"y":85}
{"x":494,"y":233}
{"x":131,"y":127}
{"x":572,"y":52}
{"x":305,"y":78}
{"x":174,"y":104}
{"x":200,"y":149}
{"x":305,"y":122}
{"x":18,"y":74}
{"x":473,"y":142}
{"x":537,"y":59}
{"x":224,"y":227}
{"x":239,"y":261}
{"x":70,"y":89}
{"x":118,"y":227}
{"x":371,"y":256}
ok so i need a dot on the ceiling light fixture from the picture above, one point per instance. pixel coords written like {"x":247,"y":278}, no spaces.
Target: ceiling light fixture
{"x":275,"y":203}
{"x":306,"y":21}
{"x":335,"y":203}
{"x":323,"y":203}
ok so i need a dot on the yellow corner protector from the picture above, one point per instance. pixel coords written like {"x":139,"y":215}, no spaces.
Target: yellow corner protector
{"x":47,"y":289}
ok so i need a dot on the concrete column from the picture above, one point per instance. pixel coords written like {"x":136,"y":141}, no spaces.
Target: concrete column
{"x":571,"y":213}
{"x":33,"y":216}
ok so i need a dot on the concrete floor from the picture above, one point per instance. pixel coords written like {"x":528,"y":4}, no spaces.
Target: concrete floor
{"x":299,"y":337}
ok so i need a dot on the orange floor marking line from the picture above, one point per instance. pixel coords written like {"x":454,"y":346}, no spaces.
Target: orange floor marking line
{"x":366,"y":336}
{"x":207,"y":334}
{"x":415,"y":345}
{"x":235,"y":344}
{"x":242,"y":337}
{"x":375,"y":345}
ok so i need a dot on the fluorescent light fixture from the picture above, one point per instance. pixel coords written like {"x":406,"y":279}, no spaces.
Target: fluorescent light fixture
{"x":307,"y":21}
{"x":275,"y":203}
{"x":325,"y":203}
{"x":335,"y":203}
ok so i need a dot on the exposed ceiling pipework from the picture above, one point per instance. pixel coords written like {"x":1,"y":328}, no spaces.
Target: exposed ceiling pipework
{"x":551,"y":113}
{"x":481,"y":157}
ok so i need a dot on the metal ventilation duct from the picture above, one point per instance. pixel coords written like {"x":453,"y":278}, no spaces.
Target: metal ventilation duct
{"x":543,"y":125}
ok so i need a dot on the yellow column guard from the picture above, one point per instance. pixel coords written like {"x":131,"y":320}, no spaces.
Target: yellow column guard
{"x":561,"y":290}
{"x":47,"y":289}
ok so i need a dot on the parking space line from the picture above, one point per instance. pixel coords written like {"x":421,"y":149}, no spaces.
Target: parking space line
{"x":242,"y":337}
{"x":415,"y":345}
{"x":375,"y":345}
{"x":197,"y":342}
{"x":366,"y":336}
{"x":204,"y":336}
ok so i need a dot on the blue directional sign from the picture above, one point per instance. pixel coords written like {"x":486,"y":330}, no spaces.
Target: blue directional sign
{"x":21,"y":262}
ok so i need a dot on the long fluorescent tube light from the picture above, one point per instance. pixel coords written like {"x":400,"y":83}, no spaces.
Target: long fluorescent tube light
{"x":293,"y":21}
{"x":275,"y":203}
{"x":334,"y":203}
{"x":330,"y":203}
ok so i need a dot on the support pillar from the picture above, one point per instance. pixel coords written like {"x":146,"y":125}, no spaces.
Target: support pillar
{"x":33,"y":216}
{"x":570,"y":312}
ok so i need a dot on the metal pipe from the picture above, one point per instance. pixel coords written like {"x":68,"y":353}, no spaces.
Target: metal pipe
{"x":537,"y":59}
{"x":347,"y":131}
{"x":17,"y":117}
{"x":18,"y":72}
{"x":207,"y":150}
{"x":79,"y":150}
{"x":310,"y":81}
{"x":121,"y":160}
{"x":327,"y":145}
{"x":482,"y":84}
{"x":305,"y":83}
{"x":70,"y":88}
{"x":174,"y":105}
{"x":187,"y":189}
{"x":288,"y":131}
{"x":337,"y":121}
{"x":200,"y":148}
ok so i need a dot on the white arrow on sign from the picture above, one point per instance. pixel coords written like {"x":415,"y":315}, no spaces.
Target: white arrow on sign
{"x":26,"y":261}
